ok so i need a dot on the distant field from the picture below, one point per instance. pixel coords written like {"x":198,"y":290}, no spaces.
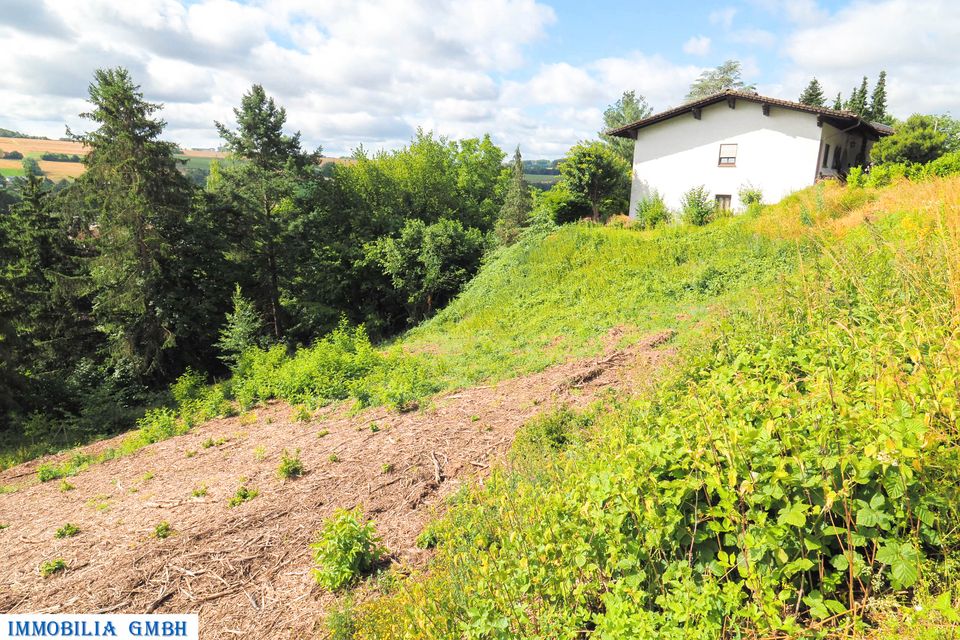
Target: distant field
{"x":36,"y":148}
{"x":540,"y":180}
{"x":31,"y":148}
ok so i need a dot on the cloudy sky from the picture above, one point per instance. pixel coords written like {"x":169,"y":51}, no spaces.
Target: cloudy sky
{"x":537,"y":73}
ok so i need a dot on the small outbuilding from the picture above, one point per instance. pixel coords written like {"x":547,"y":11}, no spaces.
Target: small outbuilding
{"x":736,"y":139}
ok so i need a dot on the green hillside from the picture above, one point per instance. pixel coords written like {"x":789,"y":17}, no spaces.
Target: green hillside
{"x":797,"y":474}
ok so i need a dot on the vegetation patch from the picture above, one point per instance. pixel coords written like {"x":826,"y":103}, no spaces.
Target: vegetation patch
{"x":345,"y":549}
{"x":243,"y":494}
{"x":290,"y":466}
{"x":67,"y":531}
{"x":50,"y":567}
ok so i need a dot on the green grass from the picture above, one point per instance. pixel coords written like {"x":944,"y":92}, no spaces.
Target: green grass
{"x":9,"y":172}
{"x":548,"y":298}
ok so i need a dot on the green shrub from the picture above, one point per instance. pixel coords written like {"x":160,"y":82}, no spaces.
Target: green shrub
{"x":344,"y":550}
{"x":341,"y":621}
{"x":243,"y":494}
{"x":652,"y":212}
{"x":199,"y":492}
{"x":188,"y":386}
{"x":66,"y":486}
{"x":48,"y":471}
{"x":302,"y":414}
{"x":290,"y":466}
{"x":696,"y":206}
{"x":50,"y":567}
{"x":67,"y":531}
{"x":752,"y":198}
{"x":162,"y":530}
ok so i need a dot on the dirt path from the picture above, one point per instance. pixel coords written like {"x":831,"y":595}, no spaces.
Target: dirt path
{"x":246,"y":570}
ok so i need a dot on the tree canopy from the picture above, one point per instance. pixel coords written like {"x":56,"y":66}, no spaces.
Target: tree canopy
{"x":628,"y":109}
{"x":813,"y":94}
{"x":724,"y":76}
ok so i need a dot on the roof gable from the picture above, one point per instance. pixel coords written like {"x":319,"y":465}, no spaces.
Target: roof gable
{"x":840,"y":118}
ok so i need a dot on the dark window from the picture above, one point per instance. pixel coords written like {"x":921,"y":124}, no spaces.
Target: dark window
{"x":826,"y":155}
{"x":723,"y":202}
{"x":728,"y":155}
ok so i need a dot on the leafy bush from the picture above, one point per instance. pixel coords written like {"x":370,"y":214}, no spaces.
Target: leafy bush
{"x":338,"y":366}
{"x":50,"y":567}
{"x":13,"y":155}
{"x":697,"y":207}
{"x":429,"y":263}
{"x":243,"y":494}
{"x":345,"y":550}
{"x":290,"y":466}
{"x":162,"y":530}
{"x":652,"y":212}
{"x":67,"y":531}
{"x":751,"y":197}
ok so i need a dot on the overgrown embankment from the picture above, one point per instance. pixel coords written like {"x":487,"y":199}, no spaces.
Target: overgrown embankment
{"x":797,"y":474}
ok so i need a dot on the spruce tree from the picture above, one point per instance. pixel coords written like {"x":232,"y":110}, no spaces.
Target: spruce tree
{"x":515,"y":213}
{"x":259,"y":191}
{"x":877,"y":111}
{"x":858,"y":99}
{"x":813,"y":94}
{"x":135,"y":196}
{"x":838,"y":101}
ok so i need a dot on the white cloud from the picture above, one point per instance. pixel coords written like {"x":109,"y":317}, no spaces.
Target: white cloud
{"x":913,"y":40}
{"x":697,"y":46}
{"x":348,"y":71}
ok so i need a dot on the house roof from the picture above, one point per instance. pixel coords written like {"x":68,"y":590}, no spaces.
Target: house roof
{"x":841,"y":118}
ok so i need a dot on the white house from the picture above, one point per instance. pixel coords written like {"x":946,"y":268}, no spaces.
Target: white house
{"x":734,"y":139}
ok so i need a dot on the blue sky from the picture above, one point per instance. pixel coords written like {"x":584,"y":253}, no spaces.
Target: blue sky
{"x":537,"y":73}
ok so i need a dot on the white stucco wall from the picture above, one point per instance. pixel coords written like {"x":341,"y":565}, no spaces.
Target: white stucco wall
{"x":778,"y":153}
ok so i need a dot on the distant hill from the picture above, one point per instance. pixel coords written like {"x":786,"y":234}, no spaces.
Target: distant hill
{"x":10,"y":133}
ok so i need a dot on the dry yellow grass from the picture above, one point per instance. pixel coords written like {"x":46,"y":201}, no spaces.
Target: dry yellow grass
{"x":53,"y":170}
{"x":27,"y":146}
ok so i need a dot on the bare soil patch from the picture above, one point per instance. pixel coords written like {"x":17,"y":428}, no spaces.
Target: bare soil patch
{"x":246,"y":570}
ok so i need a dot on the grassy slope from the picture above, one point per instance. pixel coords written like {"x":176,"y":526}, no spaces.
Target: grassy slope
{"x":554,"y":297}
{"x":815,"y":422}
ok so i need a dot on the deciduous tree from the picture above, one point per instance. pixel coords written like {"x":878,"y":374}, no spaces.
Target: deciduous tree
{"x":725,"y":76}
{"x":597,"y":173}
{"x":628,"y":109}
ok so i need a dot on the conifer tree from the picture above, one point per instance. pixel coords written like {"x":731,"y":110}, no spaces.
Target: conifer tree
{"x":135,"y":196}
{"x":858,"y":98}
{"x":838,"y":101}
{"x":259,"y":191}
{"x":515,"y":213}
{"x":877,"y":111}
{"x":813,"y":94}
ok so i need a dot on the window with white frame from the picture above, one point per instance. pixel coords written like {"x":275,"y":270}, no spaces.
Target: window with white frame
{"x":728,"y":155}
